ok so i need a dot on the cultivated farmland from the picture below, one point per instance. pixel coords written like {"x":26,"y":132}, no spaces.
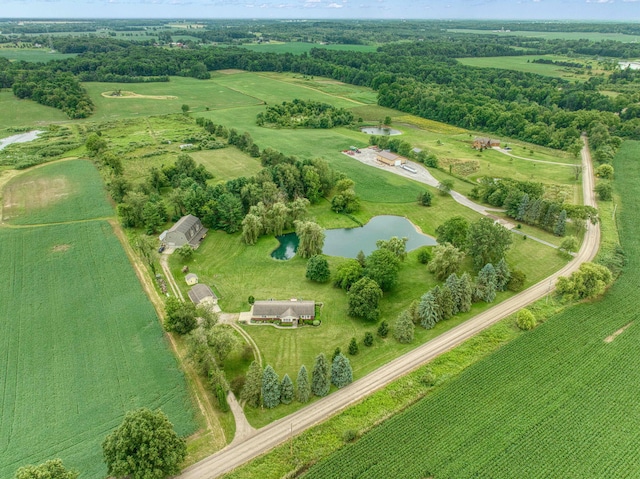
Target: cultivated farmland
{"x":568,"y":409}
{"x":80,"y":342}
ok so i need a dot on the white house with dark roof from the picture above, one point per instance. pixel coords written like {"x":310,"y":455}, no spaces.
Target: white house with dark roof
{"x":188,"y":230}
{"x":291,"y":311}
{"x":202,"y":294}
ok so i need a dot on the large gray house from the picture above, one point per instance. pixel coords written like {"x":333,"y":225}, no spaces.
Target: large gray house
{"x":188,"y":230}
{"x":291,"y":311}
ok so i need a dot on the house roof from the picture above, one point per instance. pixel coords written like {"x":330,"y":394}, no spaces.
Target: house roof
{"x":282,"y":309}
{"x":191,"y":227}
{"x":388,"y":155}
{"x":184,"y":224}
{"x":200,"y":292}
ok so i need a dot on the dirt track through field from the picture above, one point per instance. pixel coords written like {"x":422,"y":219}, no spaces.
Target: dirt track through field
{"x":279,"y":431}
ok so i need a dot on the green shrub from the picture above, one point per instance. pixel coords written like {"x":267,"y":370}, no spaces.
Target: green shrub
{"x":525,"y":320}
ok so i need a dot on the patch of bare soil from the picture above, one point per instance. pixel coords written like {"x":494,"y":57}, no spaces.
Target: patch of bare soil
{"x":35,"y":194}
{"x":609,"y":339}
{"x":130,"y":94}
{"x":230,"y":71}
{"x":60,"y":248}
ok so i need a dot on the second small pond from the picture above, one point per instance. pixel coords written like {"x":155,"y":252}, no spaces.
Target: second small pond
{"x":348,"y":242}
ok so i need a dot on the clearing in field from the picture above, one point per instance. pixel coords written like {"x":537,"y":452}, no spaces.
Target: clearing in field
{"x":569,"y":407}
{"x":81,"y":344}
{"x":524,"y":63}
{"x":55,"y":193}
{"x":130,"y":94}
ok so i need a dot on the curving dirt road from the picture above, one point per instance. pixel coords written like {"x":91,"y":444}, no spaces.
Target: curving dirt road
{"x":278,"y":432}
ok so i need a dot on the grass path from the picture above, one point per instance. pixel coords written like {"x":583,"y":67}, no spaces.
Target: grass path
{"x":505,"y":152}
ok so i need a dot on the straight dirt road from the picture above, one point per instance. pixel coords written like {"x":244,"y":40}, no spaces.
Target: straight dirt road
{"x":278,"y":432}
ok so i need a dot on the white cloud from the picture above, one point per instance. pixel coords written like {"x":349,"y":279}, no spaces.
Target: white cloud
{"x":334,"y":5}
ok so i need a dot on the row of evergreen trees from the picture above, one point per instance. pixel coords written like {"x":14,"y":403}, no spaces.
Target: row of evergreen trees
{"x":456,"y":295}
{"x":264,"y":387}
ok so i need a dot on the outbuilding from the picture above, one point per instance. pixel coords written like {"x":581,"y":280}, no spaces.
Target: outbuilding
{"x":484,"y":143}
{"x":188,"y":230}
{"x":202,"y":294}
{"x":191,"y":279}
{"x":391,"y":159}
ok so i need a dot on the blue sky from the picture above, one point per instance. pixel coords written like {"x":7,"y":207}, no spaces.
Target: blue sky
{"x":603,"y":10}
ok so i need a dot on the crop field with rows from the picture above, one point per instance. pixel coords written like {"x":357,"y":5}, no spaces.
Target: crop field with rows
{"x":80,"y":343}
{"x":560,"y":401}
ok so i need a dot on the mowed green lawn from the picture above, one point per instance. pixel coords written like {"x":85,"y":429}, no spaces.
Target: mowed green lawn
{"x":81,"y":344}
{"x":560,"y":401}
{"x":56,"y":193}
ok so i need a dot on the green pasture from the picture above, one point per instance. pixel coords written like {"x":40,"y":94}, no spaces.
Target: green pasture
{"x":593,"y":36}
{"x":198,"y":94}
{"x":16,"y":113}
{"x":297,"y":48}
{"x":271,"y":89}
{"x":524,"y":63}
{"x":568,"y":407}
{"x":60,"y":192}
{"x":227,"y":163}
{"x":356,"y":93}
{"x":33,"y":54}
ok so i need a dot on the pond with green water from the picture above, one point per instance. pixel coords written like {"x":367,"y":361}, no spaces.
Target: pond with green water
{"x":348,"y":242}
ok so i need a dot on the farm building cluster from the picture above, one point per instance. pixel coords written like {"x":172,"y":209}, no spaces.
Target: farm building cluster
{"x":485,"y":143}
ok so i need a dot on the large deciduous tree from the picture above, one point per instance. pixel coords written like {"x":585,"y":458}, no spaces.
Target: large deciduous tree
{"x":487,"y":242}
{"x":588,"y":282}
{"x":363,"y":298}
{"x":318,"y":269}
{"x":397,"y":246}
{"x":222,"y":340}
{"x":446,"y":260}
{"x":311,"y":238}
{"x":251,"y":228}
{"x":453,"y":231}
{"x":181,"y":316}
{"x":348,"y":273}
{"x":144,"y":446}
{"x":382,"y":266}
